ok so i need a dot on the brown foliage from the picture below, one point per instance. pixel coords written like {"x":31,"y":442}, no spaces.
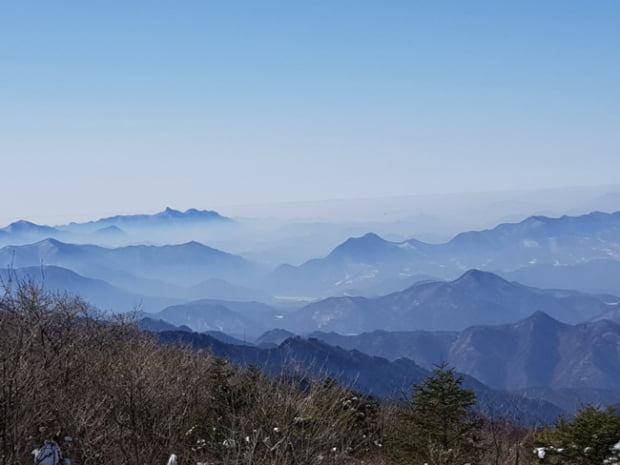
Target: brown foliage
{"x":125,"y":399}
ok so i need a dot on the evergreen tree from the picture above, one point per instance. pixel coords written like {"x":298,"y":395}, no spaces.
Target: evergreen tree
{"x":588,"y":439}
{"x":439,"y":427}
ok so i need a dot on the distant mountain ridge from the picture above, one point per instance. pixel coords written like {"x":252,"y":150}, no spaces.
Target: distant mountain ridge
{"x":167,"y":217}
{"x":542,"y":228}
{"x":23,"y":232}
{"x":369,"y":259}
{"x":96,"y":292}
{"x":23,"y":226}
{"x":117,"y":229}
{"x":538,"y":250}
{"x":593,"y":276}
{"x":536,"y":352}
{"x":239,"y":319}
{"x":475,"y":298}
{"x":191,"y":262}
{"x":372,"y":375}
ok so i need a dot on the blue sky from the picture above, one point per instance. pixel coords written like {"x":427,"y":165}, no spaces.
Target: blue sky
{"x":127,"y":106}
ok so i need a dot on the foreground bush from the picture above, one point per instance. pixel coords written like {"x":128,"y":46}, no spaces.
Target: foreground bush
{"x":126,"y":400}
{"x":591,"y":438}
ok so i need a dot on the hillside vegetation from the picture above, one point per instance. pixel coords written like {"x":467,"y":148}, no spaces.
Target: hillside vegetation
{"x":125,"y":399}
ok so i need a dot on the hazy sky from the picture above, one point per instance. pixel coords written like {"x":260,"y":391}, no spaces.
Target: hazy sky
{"x":126,"y":106}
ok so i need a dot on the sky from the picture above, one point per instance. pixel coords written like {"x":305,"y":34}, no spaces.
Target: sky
{"x":121,"y":107}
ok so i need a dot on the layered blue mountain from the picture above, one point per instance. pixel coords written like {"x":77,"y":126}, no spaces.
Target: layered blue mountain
{"x":475,"y":298}
{"x":370,"y":262}
{"x":368,"y":265}
{"x":96,"y":292}
{"x":372,"y":375}
{"x":168,"y":226}
{"x":538,"y":352}
{"x":28,"y":228}
{"x":427,"y":348}
{"x":245,"y":320}
{"x":24,"y":232}
{"x":587,"y":232}
{"x":274,"y":337}
{"x":542,"y":352}
{"x":594,"y":276}
{"x":189,"y":263}
{"x":166,"y":218}
{"x":154,"y":325}
{"x":109,"y":233}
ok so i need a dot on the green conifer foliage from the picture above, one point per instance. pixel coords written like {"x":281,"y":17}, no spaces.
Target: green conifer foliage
{"x":439,"y":427}
{"x":588,"y":439}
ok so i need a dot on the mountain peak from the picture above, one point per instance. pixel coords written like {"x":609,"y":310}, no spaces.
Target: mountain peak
{"x":366,"y":245}
{"x":50,"y":241}
{"x":536,"y":220}
{"x":20,"y":223}
{"x":539,"y":315}
{"x":371,"y":236}
{"x":23,"y":226}
{"x":196,"y":245}
{"x":112,"y":230}
{"x":167,"y":216}
{"x":170,"y":212}
{"x":366,"y":239}
{"x":274,"y":337}
{"x":540,"y":319}
{"x":475,"y":276}
{"x":52,"y":245}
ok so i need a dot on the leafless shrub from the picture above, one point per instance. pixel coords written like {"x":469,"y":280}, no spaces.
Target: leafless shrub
{"x":125,"y":399}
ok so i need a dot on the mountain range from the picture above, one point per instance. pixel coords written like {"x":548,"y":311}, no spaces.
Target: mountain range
{"x":580,"y":252}
{"x":371,"y":375}
{"x":371,"y":260}
{"x":166,"y":218}
{"x":539,"y":249}
{"x":475,"y":298}
{"x":96,"y":292}
{"x":594,"y":276}
{"x":537,"y":352}
{"x":538,"y":358}
{"x":183,"y":264}
{"x":528,"y":306}
{"x":25,"y":232}
{"x":239,"y":319}
{"x":128,"y":293}
{"x":163,"y":227}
